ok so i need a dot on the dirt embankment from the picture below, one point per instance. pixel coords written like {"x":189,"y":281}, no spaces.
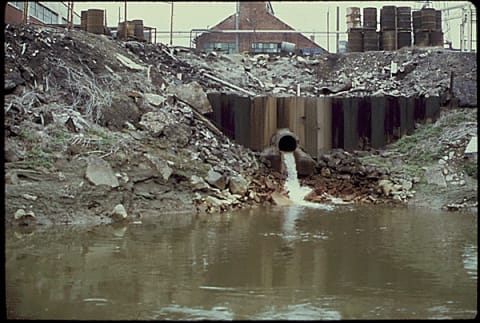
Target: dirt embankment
{"x":98,"y":130}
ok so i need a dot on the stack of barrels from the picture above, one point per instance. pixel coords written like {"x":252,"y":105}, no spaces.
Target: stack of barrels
{"x":370,"y":34}
{"x":427,"y":27}
{"x":404,"y":27}
{"x":92,"y":21}
{"x":396,"y":27}
{"x":134,"y":30}
{"x":354,"y":30}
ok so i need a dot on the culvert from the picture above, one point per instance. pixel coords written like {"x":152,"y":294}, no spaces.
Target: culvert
{"x":285,"y":140}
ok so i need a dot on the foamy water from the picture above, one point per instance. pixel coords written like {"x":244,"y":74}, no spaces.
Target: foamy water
{"x":296,"y":192}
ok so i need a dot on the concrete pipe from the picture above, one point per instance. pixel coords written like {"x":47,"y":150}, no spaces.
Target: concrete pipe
{"x":285,"y":140}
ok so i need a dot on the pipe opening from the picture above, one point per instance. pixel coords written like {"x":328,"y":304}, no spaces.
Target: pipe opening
{"x":287,"y":143}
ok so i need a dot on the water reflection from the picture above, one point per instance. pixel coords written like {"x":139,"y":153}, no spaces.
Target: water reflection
{"x":266,"y":263}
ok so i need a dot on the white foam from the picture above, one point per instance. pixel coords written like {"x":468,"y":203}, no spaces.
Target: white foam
{"x":296,"y":192}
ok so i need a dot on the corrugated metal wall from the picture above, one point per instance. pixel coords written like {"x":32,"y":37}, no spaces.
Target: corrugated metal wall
{"x":321,"y":123}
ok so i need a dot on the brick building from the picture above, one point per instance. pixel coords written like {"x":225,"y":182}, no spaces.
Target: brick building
{"x":253,"y":18}
{"x":40,"y":13}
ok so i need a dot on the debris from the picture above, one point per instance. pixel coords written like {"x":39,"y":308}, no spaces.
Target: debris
{"x":129,"y":63}
{"x":99,"y":172}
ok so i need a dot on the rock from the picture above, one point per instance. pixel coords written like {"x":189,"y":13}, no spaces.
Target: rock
{"x":280,"y":199}
{"x":119,"y":212}
{"x":155,"y":122}
{"x":386,"y":186}
{"x":305,"y":163}
{"x":193,"y":94}
{"x":198,"y":183}
{"x":11,"y":177}
{"x":29,"y":197}
{"x":216,"y":179}
{"x":161,"y":165}
{"x":20,"y":213}
{"x":122,"y":109}
{"x":238,"y":185}
{"x":154,"y":99}
{"x":24,"y":217}
{"x":406,"y":184}
{"x":435,"y":176}
{"x":213,"y":201}
{"x":99,"y":172}
{"x":325,"y":172}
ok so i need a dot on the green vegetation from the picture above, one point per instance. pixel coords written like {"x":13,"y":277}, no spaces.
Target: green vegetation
{"x":471,"y":168}
{"x":420,"y":148}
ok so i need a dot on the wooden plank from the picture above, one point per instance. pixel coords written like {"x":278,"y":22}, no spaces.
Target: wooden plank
{"x":402,"y":105}
{"x":377,"y":137}
{"x":311,"y":127}
{"x":419,"y":109}
{"x":283,"y":114}
{"x":324,"y":125}
{"x":432,"y":108}
{"x":350,"y":123}
{"x":214,"y":99}
{"x":410,"y":115}
{"x":337,"y":122}
{"x":227,"y":121}
{"x":241,"y":107}
{"x":300,"y":120}
{"x":364,"y":122}
{"x":270,"y":121}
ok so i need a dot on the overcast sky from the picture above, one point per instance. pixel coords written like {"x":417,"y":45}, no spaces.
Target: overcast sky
{"x":305,"y":16}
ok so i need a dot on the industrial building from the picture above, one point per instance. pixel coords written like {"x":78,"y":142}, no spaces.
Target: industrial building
{"x":255,"y":29}
{"x":39,"y":12}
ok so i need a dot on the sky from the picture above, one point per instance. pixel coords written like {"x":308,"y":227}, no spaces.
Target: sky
{"x":309,"y":17}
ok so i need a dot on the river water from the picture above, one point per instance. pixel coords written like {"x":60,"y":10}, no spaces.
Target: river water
{"x":264,"y":263}
{"x":302,"y":262}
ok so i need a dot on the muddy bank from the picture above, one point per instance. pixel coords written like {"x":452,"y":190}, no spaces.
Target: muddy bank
{"x":98,"y":131}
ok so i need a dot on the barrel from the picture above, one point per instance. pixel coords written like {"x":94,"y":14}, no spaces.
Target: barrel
{"x":404,"y":18}
{"x":83,"y":20}
{"x":436,"y":38}
{"x":130,"y":30}
{"x":370,"y":18}
{"x":389,"y":40}
{"x":416,"y":20}
{"x":421,"y":38}
{"x":387,"y":18}
{"x":428,"y":19}
{"x":404,"y":39}
{"x":355,"y":40}
{"x":370,"y":40}
{"x":353,"y":18}
{"x":438,"y":20}
{"x":95,"y":21}
{"x":138,"y":29}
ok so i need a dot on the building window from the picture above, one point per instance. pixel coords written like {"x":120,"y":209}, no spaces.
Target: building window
{"x":221,"y":47}
{"x":266,"y":47}
{"x":42,"y":13}
{"x":17,"y":4}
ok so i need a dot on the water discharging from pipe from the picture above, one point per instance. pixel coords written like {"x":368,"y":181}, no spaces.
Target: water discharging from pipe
{"x":297,"y":193}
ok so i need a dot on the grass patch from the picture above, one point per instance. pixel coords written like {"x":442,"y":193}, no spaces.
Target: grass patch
{"x":420,"y":147}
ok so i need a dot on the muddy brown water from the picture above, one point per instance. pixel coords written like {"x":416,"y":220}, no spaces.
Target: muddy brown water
{"x":263,"y":263}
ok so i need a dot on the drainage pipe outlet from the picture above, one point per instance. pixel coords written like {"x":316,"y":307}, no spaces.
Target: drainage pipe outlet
{"x":285,"y":140}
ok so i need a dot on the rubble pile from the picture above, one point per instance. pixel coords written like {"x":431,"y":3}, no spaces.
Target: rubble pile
{"x":94,"y":128}
{"x":417,"y":72}
{"x":342,"y":175}
{"x":98,"y":130}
